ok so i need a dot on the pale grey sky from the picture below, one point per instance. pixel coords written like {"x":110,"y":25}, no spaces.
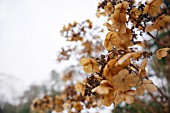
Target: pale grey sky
{"x":30,"y":37}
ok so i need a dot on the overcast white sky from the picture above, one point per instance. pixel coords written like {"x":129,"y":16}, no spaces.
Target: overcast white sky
{"x":30,"y":37}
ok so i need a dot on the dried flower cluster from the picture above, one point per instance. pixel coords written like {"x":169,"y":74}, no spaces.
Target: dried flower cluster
{"x":68,"y":100}
{"x":85,"y":39}
{"x":120,"y":74}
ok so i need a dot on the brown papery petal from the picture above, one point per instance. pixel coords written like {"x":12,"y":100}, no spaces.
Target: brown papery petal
{"x":151,"y":87}
{"x":103,"y":90}
{"x":84,"y":61}
{"x":123,"y":59}
{"x":147,"y":81}
{"x":143,"y":64}
{"x":140,"y":90}
{"x":79,"y":87}
{"x":129,"y":99}
{"x":162,"y":53}
{"x":131,"y":80}
{"x":131,"y":92}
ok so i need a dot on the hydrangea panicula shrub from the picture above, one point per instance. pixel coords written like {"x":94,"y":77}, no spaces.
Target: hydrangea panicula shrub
{"x":120,"y":74}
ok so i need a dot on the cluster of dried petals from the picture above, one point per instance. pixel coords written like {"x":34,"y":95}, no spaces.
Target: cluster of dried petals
{"x":127,"y":96}
{"x":118,"y":40}
{"x":67,"y":100}
{"x":84,"y":34}
{"x":110,"y":69}
{"x":145,"y":85}
{"x":159,"y":23}
{"x":153,"y":7}
{"x":58,"y":103}
{"x":114,"y":77}
{"x":107,"y":99}
{"x":68,"y":74}
{"x":108,"y":8}
{"x":77,"y":106}
{"x":41,"y":105}
{"x":134,"y":13}
{"x":104,"y":88}
{"x":123,"y":81}
{"x":118,"y":71}
{"x":80,"y":87}
{"x":98,"y":14}
{"x":125,"y":59}
{"x":119,"y":17}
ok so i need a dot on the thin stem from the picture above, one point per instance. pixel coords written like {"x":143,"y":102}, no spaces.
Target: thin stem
{"x":154,"y":38}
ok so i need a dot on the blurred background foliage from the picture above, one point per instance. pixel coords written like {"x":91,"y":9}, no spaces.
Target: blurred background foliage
{"x":51,"y":86}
